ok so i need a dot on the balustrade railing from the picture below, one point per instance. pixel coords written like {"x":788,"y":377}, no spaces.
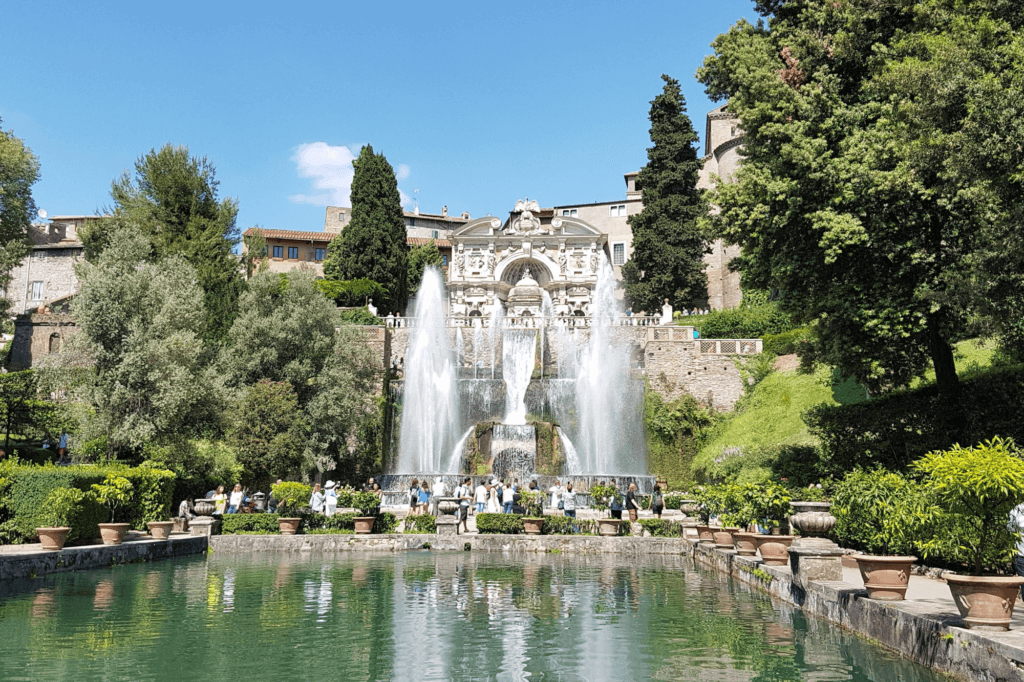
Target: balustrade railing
{"x":528,"y":322}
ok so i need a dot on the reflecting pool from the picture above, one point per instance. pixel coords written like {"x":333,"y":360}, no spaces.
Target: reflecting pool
{"x":420,"y":616}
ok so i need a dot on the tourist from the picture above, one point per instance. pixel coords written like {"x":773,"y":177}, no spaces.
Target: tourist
{"x":185,"y":510}
{"x":271,"y":502}
{"x":317,"y":499}
{"x":440,"y":490}
{"x":556,"y":495}
{"x":220,"y":500}
{"x":482,"y":491}
{"x":236,"y":499}
{"x":330,"y":498}
{"x":424,"y":496}
{"x":378,"y":492}
{"x":507,"y":494}
{"x":493,"y":497}
{"x":657,"y":502}
{"x":632,"y":503}
{"x":517,"y":507}
{"x":1016,"y":525}
{"x":465,"y":496}
{"x":369,"y":485}
{"x":567,"y":501}
{"x":414,"y":495}
{"x":62,"y":447}
{"x":616,"y":503}
{"x":533,"y":485}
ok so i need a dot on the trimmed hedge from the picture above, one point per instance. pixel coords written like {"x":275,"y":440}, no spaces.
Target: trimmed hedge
{"x":564,"y":525}
{"x":501,"y":524}
{"x":662,"y":528}
{"x":264,"y":524}
{"x":786,"y":343}
{"x":312,"y":524}
{"x":512,"y":524}
{"x":421,"y":524}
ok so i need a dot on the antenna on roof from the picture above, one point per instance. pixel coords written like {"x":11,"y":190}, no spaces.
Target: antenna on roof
{"x":416,"y":198}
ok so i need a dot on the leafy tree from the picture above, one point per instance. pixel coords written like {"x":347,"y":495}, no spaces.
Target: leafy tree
{"x":172,"y":200}
{"x":253,"y":255}
{"x":353,"y":292}
{"x":668,"y":240}
{"x":17,"y":401}
{"x":373,"y":244}
{"x":19,"y":170}
{"x":865,"y":197}
{"x":419,"y":258}
{"x":140,"y":326}
{"x":284,"y":332}
{"x":268,"y":431}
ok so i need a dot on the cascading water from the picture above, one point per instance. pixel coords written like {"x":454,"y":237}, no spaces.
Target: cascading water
{"x":459,"y":348}
{"x":572,"y":460}
{"x":495,"y":331}
{"x":478,"y":340}
{"x":430,"y":412}
{"x":455,"y":461}
{"x":518,"y":347}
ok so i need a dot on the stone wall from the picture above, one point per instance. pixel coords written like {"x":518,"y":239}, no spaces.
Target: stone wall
{"x":51,"y":264}
{"x":22,"y":562}
{"x":38,"y":335}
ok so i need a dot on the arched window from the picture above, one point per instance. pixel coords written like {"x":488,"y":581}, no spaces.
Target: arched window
{"x":54,"y":344}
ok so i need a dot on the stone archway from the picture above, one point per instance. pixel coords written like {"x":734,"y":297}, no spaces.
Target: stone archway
{"x":513,"y":270}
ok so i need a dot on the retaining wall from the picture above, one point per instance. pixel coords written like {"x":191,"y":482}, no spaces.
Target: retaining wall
{"x":23,"y":562}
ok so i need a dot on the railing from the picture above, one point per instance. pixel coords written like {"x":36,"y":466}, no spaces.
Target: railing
{"x":730,"y":346}
{"x":529,"y":322}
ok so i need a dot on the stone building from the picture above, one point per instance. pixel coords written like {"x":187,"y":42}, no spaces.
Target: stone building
{"x":290,"y":249}
{"x":48,"y":273}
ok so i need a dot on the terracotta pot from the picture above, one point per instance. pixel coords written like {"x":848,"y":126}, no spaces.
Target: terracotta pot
{"x":705,"y":535}
{"x":608,"y":527}
{"x":288,"y":526}
{"x":745,"y":543}
{"x":160,"y":530}
{"x":774,"y":549}
{"x":885,"y":577}
{"x":113,"y":533}
{"x":364,"y":524}
{"x":723,"y":537}
{"x":533,"y":526}
{"x":985,"y":602}
{"x":53,"y":538}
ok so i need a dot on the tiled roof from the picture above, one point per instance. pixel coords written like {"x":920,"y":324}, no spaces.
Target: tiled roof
{"x":423,"y":241}
{"x":292,"y":234}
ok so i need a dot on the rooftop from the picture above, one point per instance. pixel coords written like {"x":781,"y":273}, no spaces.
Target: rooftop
{"x":291,"y":234}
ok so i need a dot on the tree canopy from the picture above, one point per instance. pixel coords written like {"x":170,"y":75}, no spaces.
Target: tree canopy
{"x":373,"y":244}
{"x":419,"y":258}
{"x":19,"y":170}
{"x":668,"y":238}
{"x":881,"y":172}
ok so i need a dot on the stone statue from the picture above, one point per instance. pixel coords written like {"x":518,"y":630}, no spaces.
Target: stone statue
{"x":562,"y":261}
{"x":371,"y":308}
{"x":666,"y":313}
{"x":593,"y":262}
{"x":491,"y":262}
{"x":460,"y":262}
{"x":527,"y":223}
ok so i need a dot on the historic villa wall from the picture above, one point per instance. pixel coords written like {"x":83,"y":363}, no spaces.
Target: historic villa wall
{"x":39,"y":335}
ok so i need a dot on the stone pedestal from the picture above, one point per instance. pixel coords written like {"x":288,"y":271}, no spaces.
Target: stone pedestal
{"x":447,"y":525}
{"x":204,"y":525}
{"x":816,"y":559}
{"x":180,"y":524}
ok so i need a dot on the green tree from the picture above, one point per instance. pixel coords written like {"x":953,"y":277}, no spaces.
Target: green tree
{"x":668,"y":240}
{"x":172,"y":200}
{"x":351,"y":293}
{"x":19,"y":170}
{"x":854,"y":200}
{"x":419,"y":258}
{"x":254,"y":252}
{"x":17,"y":401}
{"x":373,"y":244}
{"x":140,"y":326}
{"x":268,"y":431}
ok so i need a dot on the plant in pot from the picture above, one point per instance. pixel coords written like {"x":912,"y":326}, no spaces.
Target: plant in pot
{"x":708,"y":501}
{"x":771,"y":508}
{"x":114,"y":492}
{"x":601,"y":497}
{"x":68,"y":514}
{"x":874,"y":510}
{"x":369,"y":505}
{"x":730,"y":512}
{"x":743,"y":499}
{"x":290,"y":496}
{"x":974,"y":490}
{"x":533,"y":520}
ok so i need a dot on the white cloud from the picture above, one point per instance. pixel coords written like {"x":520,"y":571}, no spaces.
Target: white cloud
{"x":330,"y":167}
{"x":402,"y":172}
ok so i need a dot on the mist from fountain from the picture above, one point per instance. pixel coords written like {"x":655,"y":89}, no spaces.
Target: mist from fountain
{"x":572,"y":460}
{"x":430,"y":401}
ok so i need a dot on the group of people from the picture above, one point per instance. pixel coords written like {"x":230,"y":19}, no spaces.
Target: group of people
{"x":325,"y":500}
{"x":630,"y":502}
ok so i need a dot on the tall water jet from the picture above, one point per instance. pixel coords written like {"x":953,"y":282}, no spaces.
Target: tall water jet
{"x":455,"y":461}
{"x":495,"y":323}
{"x":430,"y":412}
{"x":460,"y":351}
{"x":572,"y":460}
{"x":478,"y":340}
{"x":517,"y":347}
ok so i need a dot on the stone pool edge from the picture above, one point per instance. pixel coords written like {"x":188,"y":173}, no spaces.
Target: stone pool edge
{"x":32,"y":564}
{"x":909,"y":628}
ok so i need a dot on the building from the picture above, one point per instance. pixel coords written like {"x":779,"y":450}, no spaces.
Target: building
{"x":420,"y":228}
{"x":48,"y":273}
{"x":289,"y":249}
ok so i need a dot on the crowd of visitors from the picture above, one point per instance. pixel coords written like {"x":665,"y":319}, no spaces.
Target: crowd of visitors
{"x":324,"y":500}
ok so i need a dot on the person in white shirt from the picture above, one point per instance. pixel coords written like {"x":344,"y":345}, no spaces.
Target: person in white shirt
{"x":440,"y":490}
{"x":235,"y":499}
{"x":481,"y":498}
{"x":556,"y":495}
{"x":330,"y":499}
{"x":492,"y":500}
{"x":316,"y":500}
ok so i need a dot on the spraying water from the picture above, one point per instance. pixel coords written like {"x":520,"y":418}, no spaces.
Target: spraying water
{"x":430,"y":413}
{"x":518,"y":348}
{"x":572,"y":460}
{"x":496,"y":318}
{"x":455,"y":461}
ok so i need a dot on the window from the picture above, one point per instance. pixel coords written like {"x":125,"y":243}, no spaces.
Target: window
{"x":318,"y":254}
{"x":570,"y":212}
{"x":341,"y":217}
{"x":444,"y":261}
{"x":278,"y":252}
{"x":35,"y":291}
{"x":54,"y":344}
{"x":293,"y":252}
{"x":433,"y":234}
{"x":617,"y":211}
{"x":619,"y":253}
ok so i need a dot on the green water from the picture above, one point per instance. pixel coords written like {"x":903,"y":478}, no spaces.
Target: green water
{"x":419,"y":616}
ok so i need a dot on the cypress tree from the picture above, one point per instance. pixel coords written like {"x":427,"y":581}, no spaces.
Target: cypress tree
{"x":373,"y":245}
{"x":668,"y":241}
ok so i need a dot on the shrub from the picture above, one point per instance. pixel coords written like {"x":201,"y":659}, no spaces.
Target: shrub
{"x":564,"y":525}
{"x":503,"y":524}
{"x":263,"y":524}
{"x":291,"y":495}
{"x":662,"y":528}
{"x":533,"y":502}
{"x":152,"y":493}
{"x":755,"y":318}
{"x":422,"y":523}
{"x":70,"y":507}
{"x":385,"y":523}
{"x":769,"y":504}
{"x":786,"y":343}
{"x":601,"y":496}
{"x":268,"y":430}
{"x":114,"y":492}
{"x":870,"y":509}
{"x":27,"y":490}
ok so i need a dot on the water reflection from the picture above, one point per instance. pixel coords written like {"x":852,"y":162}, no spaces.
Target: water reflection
{"x":422,"y":616}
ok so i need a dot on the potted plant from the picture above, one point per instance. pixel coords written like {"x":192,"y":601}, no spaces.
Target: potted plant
{"x":160,"y":530}
{"x":114,"y":492}
{"x":369,"y":504}
{"x":533,"y":502}
{"x":771,"y":508}
{"x":601,"y":496}
{"x":290,"y":496}
{"x":874,"y":511}
{"x":730,"y":514}
{"x":974,"y":490}
{"x":743,"y":518}
{"x":708,"y":502}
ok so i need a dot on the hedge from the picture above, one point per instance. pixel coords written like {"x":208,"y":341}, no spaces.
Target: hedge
{"x":312,"y":524}
{"x":785,"y":343}
{"x":512,"y":524}
{"x":26,"y":487}
{"x":421,"y":523}
{"x":265,"y":524}
{"x":74,"y":509}
{"x":662,"y":528}
{"x":892,"y":431}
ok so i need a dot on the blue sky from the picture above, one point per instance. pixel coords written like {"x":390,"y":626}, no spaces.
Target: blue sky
{"x":475,"y":104}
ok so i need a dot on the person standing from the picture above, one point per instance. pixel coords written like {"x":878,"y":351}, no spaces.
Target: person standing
{"x":492,"y":497}
{"x":414,"y":496}
{"x":568,"y":501}
{"x":632,"y":503}
{"x":424,"y":496}
{"x":556,"y":495}
{"x":330,"y":499}
{"x":1016,"y":525}
{"x":62,"y":446}
{"x":616,"y":503}
{"x":657,"y":502}
{"x":271,"y":501}
{"x":480,"y":497}
{"x":507,"y":493}
{"x":235,"y":500}
{"x":440,"y":490}
{"x":465,"y":495}
{"x":220,"y":500}
{"x":316,"y":500}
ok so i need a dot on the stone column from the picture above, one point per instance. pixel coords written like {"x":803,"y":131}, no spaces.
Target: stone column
{"x":812,"y":556}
